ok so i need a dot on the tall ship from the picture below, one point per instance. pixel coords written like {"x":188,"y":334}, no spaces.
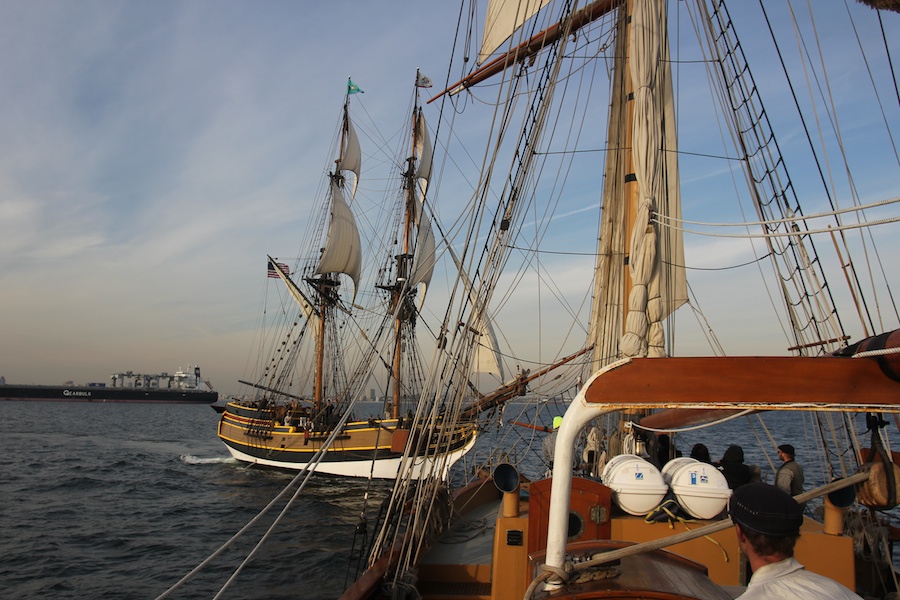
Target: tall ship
{"x":184,"y":386}
{"x":301,"y":415}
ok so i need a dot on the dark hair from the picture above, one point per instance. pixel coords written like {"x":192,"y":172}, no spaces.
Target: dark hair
{"x":770,"y":545}
{"x":787,"y":449}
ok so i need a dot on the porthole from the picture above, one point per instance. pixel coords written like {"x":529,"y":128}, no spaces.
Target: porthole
{"x":576,"y":525}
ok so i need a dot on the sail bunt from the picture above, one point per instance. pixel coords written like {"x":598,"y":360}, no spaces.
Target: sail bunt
{"x":631,"y":306}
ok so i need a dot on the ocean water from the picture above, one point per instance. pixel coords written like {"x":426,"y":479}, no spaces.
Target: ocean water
{"x":123,"y":500}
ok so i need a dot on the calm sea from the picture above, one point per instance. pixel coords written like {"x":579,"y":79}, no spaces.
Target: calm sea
{"x":123,"y":500}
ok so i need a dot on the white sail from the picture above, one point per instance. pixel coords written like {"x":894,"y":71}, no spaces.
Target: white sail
{"x":486,"y":354}
{"x":423,"y":263}
{"x":351,"y":157}
{"x":486,"y":357}
{"x":343,"y":249}
{"x":424,"y":151}
{"x":503,"y":18}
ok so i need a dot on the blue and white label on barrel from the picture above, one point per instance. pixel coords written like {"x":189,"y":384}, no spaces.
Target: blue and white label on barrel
{"x":704,"y":478}
{"x":638,"y":474}
{"x":693,"y":477}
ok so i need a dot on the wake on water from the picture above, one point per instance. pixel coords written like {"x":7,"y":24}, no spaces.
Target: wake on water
{"x":189,"y":459}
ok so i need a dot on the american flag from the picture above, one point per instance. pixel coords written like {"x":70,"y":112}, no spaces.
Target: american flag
{"x":283,"y":267}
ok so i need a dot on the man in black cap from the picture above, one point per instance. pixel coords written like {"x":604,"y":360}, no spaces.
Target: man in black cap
{"x":789,"y":476}
{"x":767,"y":522}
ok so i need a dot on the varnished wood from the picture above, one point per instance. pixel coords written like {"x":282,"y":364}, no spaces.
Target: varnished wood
{"x":587,"y":497}
{"x":762,"y":383}
{"x":653,"y":575}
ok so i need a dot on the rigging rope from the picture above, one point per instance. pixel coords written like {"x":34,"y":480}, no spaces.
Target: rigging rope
{"x":785,"y":220}
{"x":696,"y":427}
{"x":881,"y":352}
{"x":787,"y":234}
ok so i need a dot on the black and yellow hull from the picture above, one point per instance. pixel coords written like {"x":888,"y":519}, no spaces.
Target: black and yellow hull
{"x":372,"y":448}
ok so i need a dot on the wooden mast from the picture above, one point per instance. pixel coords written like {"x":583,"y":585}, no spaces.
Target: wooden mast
{"x":320,"y":353}
{"x":630,"y":185}
{"x":402,"y":283}
{"x":326,"y":284}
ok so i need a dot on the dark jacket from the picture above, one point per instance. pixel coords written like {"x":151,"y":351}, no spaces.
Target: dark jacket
{"x":733,"y":467}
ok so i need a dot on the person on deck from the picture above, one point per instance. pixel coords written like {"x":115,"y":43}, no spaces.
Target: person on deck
{"x":767,"y":523}
{"x":549,"y":445}
{"x":594,"y":453}
{"x":733,"y":467}
{"x":789,"y":477}
{"x":701,"y":452}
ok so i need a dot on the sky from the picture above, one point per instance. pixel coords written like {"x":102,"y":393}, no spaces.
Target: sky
{"x":155,"y":151}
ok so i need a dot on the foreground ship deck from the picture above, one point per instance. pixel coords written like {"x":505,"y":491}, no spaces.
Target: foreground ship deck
{"x":496,"y":542}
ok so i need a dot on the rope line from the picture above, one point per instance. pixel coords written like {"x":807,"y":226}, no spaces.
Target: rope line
{"x":696,"y":427}
{"x":788,"y":234}
{"x":831,"y":213}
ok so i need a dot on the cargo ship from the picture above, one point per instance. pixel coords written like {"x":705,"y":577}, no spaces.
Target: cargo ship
{"x":183,"y":386}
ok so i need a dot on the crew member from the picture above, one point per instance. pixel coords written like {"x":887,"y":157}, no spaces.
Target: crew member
{"x":789,"y":476}
{"x":767,"y":522}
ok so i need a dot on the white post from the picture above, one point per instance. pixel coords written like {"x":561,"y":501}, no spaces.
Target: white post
{"x":579,"y":414}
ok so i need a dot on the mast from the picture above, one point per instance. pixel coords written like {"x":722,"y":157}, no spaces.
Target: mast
{"x":414,"y":262}
{"x":318,"y":389}
{"x":630,"y":184}
{"x":342,"y":252}
{"x":640,"y":280}
{"x":403,"y":285}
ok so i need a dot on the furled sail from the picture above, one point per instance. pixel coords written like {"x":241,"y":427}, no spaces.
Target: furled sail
{"x":343,"y":249}
{"x":655,"y":258}
{"x":651,"y":300}
{"x":351,"y":157}
{"x":502,"y":19}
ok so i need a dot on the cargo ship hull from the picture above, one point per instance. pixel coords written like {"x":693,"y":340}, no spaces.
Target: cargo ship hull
{"x":57,"y":393}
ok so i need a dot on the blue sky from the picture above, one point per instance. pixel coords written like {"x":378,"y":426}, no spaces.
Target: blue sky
{"x":154,"y":152}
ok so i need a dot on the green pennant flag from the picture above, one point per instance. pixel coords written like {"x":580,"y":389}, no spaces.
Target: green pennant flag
{"x":352,"y":88}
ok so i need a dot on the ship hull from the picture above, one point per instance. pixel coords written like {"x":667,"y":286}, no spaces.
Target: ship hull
{"x":52,"y":393}
{"x":361,"y":449}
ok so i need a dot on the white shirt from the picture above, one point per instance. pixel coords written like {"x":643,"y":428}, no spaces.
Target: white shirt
{"x":789,"y":579}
